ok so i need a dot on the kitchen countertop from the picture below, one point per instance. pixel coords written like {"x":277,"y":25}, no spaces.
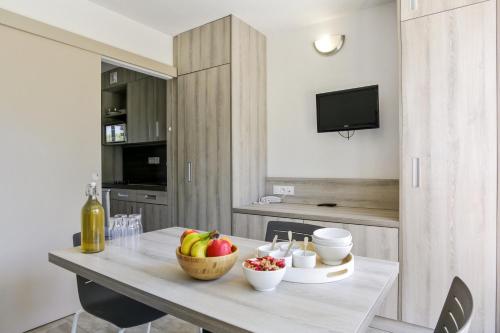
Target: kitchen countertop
{"x":145,"y":187}
{"x":351,"y":215}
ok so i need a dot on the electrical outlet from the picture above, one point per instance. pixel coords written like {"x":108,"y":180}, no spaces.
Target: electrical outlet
{"x":153,"y":160}
{"x":285,"y":190}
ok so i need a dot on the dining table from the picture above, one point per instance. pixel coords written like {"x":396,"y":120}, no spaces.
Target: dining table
{"x":147,"y":270}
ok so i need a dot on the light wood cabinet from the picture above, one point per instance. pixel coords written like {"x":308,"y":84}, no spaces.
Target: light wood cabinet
{"x":255,"y":226}
{"x":220,"y":123}
{"x":373,"y":242}
{"x":449,"y":162}
{"x":416,"y":8}
{"x":203,"y":47}
{"x":204,"y":151}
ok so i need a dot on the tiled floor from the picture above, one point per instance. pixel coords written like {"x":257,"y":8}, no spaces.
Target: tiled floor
{"x":90,"y":324}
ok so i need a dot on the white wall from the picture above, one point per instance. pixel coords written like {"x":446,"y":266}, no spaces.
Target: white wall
{"x":93,"y":21}
{"x":50,"y":142}
{"x":296,"y":72}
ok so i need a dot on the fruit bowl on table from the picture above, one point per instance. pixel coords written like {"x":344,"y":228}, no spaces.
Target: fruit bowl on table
{"x":207,"y":268}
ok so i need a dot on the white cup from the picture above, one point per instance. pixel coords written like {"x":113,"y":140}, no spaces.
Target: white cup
{"x":265,"y":250}
{"x":304,"y":259}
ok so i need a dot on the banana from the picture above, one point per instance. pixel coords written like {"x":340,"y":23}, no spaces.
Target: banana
{"x":199,"y":248}
{"x":190,"y":240}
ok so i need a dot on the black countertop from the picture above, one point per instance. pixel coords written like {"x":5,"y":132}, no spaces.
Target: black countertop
{"x":145,"y":187}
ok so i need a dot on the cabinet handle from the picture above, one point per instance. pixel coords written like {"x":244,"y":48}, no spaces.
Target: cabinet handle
{"x":413,"y":4}
{"x":415,"y":170}
{"x":157,"y":129}
{"x":121,"y":195}
{"x":150,"y":196}
{"x":189,"y":167}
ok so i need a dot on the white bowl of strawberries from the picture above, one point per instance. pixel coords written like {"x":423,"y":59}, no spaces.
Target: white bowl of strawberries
{"x":264,"y":273}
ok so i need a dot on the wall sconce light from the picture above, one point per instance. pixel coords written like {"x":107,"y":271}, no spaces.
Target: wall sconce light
{"x":329,"y":44}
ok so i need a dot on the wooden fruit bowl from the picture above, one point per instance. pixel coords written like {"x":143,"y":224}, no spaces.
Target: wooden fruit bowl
{"x":209,"y":268}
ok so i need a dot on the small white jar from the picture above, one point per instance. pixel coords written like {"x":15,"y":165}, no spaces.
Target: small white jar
{"x":304,"y":259}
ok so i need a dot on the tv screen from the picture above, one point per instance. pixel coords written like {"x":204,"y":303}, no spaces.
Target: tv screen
{"x":350,"y":109}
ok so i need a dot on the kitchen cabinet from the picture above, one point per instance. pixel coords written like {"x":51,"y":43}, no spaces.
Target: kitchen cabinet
{"x":255,"y":226}
{"x":411,"y":9}
{"x":203,"y":47}
{"x":221,"y":122}
{"x":122,"y":194}
{"x":449,"y":162}
{"x":116,"y":77}
{"x":154,"y":217}
{"x":373,"y":242}
{"x":122,"y":207}
{"x":152,"y":205}
{"x":204,"y":151}
{"x":146,"y":110}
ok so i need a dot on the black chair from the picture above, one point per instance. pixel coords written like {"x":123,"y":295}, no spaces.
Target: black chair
{"x":455,"y":315}
{"x":281,"y":228}
{"x":111,"y":306}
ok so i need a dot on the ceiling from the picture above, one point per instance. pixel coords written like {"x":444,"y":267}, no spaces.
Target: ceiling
{"x":175,"y":16}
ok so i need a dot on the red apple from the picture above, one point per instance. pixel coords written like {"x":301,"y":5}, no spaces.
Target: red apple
{"x":187,"y":232}
{"x":218,"y":248}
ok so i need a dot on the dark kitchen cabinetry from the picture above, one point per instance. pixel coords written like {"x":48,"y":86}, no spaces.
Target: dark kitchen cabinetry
{"x":146,"y":110}
{"x":152,"y":205}
{"x":117,"y":77}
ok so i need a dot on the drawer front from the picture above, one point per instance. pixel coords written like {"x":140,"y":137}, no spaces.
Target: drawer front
{"x":152,"y":197}
{"x":123,"y":195}
{"x":378,"y":243}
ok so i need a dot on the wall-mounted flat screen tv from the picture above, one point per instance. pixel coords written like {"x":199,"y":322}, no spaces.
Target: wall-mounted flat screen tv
{"x":351,"y":109}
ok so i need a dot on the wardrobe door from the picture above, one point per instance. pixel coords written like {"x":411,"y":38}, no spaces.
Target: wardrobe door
{"x":449,"y":153}
{"x":417,"y":8}
{"x":204,"y":151}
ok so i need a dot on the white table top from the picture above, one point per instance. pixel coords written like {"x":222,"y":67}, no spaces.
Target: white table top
{"x":150,"y":273}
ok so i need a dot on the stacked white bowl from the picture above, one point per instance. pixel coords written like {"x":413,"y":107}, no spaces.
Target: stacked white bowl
{"x":332,"y":244}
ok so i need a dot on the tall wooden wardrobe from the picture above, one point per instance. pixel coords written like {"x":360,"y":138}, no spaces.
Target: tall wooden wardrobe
{"x":221,"y":122}
{"x":449,"y":156}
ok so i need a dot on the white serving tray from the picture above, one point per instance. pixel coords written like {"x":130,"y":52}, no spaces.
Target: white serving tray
{"x":321,"y":273}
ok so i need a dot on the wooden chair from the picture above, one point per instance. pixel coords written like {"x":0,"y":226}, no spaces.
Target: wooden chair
{"x":281,"y":228}
{"x":455,"y":316}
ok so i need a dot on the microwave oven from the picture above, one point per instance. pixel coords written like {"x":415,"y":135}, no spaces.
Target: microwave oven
{"x":115,"y":133}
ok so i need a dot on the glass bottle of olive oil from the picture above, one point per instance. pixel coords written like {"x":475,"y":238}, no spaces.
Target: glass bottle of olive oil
{"x":92,"y":222}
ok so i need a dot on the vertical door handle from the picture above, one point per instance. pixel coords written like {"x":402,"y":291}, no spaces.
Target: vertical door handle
{"x":189,"y":169}
{"x":415,"y":172}
{"x":413,"y":4}
{"x":157,"y":129}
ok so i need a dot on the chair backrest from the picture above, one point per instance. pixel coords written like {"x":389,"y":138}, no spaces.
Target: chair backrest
{"x":281,"y":228}
{"x":77,"y":239}
{"x":457,"y":309}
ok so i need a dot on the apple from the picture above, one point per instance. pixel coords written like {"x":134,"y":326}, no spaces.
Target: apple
{"x":187,"y":232}
{"x":218,"y":248}
{"x":227,"y":238}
